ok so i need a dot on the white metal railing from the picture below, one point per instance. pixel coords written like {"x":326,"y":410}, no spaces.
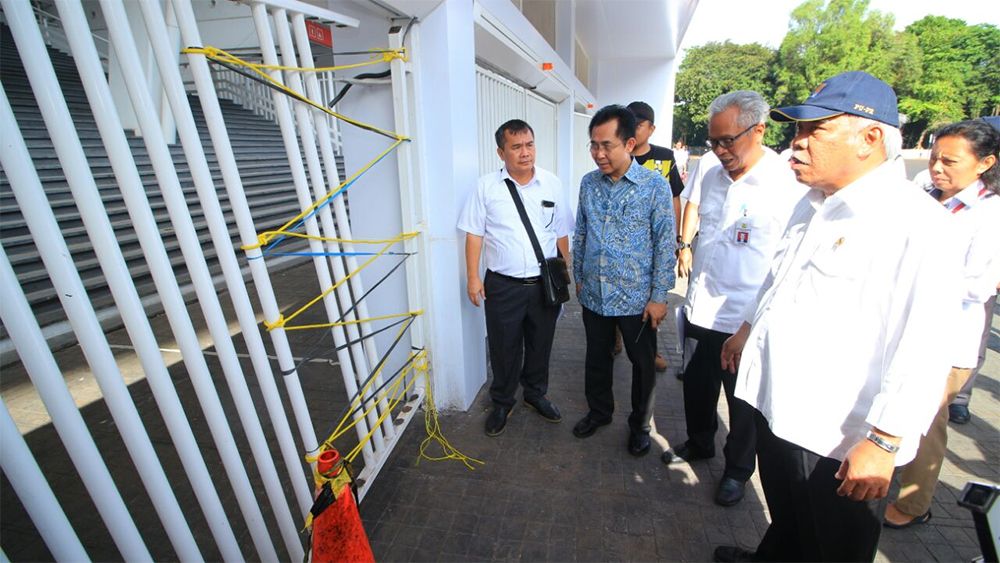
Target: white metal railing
{"x":314,"y":171}
{"x":54,"y":35}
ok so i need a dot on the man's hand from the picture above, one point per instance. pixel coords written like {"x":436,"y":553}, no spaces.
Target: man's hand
{"x":654,"y":313}
{"x":684,"y":263}
{"x":866,"y":472}
{"x":476,"y":291}
{"x":732,"y":349}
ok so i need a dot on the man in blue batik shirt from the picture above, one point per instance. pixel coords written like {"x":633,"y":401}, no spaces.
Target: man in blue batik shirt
{"x":623,"y":264}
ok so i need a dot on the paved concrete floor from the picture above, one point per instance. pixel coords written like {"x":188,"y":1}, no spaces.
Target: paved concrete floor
{"x":544,"y":495}
{"x":541,"y":495}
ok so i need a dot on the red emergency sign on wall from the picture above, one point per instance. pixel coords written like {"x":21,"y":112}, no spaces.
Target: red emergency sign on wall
{"x":319,"y":34}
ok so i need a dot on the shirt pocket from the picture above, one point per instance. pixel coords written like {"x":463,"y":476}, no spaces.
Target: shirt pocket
{"x":832,"y":277}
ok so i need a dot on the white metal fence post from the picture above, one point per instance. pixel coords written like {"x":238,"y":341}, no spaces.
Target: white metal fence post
{"x":307,"y":133}
{"x":241,"y":211}
{"x":123,"y":43}
{"x":288,"y":133}
{"x":208,"y":196}
{"x":24,"y":181}
{"x":30,"y":485}
{"x":343,"y":225}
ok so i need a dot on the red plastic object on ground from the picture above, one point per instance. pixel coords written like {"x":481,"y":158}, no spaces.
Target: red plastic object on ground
{"x":337,"y":532}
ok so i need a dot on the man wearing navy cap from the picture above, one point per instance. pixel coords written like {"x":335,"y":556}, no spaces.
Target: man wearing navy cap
{"x":840,"y":356}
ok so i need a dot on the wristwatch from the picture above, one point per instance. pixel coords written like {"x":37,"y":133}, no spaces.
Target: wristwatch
{"x":882,"y":442}
{"x":681,"y":245}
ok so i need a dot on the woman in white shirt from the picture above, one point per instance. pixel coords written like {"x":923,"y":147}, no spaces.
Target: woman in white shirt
{"x":966,"y":176}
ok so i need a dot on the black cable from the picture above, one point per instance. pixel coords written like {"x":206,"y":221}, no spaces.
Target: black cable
{"x":343,"y":92}
{"x":313,"y":352}
{"x":378,"y":283}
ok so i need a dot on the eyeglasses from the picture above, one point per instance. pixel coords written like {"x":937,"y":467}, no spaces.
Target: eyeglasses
{"x":727,"y":142}
{"x":605,"y":147}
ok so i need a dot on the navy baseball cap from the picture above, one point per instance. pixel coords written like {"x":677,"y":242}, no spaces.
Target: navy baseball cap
{"x":993,"y":120}
{"x":855,"y":93}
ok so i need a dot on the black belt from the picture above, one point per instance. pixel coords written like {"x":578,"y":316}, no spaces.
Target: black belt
{"x":522,"y":281}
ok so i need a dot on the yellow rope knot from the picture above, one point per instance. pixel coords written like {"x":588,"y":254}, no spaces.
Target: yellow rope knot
{"x":262,"y":239}
{"x":280,"y":322}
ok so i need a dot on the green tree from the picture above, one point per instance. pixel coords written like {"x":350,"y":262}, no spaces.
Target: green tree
{"x":827,"y":38}
{"x":711,"y":70}
{"x":960,"y":75}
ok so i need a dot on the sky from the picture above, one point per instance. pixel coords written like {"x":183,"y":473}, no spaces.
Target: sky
{"x":766,"y":22}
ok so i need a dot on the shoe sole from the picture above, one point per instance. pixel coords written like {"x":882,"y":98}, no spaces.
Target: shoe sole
{"x":545,"y":418}
{"x":732,"y":503}
{"x":675,"y":460}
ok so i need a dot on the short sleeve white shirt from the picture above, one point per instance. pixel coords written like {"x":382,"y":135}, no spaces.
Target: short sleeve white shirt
{"x":740,"y":224}
{"x":847,"y":332}
{"x":491,"y":213}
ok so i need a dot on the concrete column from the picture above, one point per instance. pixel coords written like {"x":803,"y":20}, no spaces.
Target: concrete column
{"x":446,"y":89}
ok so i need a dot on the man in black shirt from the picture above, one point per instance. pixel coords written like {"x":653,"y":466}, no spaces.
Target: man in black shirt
{"x":661,"y":160}
{"x":655,"y":157}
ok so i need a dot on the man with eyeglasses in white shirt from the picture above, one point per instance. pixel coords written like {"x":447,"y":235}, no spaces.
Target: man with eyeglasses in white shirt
{"x":841,"y":357}
{"x":740,"y":212}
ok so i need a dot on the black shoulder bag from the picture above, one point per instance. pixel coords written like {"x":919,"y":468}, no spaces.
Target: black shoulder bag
{"x":555,"y":274}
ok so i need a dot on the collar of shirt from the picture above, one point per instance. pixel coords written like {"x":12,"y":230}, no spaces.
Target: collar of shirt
{"x":504,"y":174}
{"x":633,"y":174}
{"x":969,"y":196}
{"x":865,"y":194}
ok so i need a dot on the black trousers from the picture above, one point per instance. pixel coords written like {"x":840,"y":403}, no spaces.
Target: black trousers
{"x":702,"y":379}
{"x":809,"y":522}
{"x":520,"y":328}
{"x":639,"y":340}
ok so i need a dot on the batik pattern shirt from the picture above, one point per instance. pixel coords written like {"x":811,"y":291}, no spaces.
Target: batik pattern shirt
{"x":623,"y":246}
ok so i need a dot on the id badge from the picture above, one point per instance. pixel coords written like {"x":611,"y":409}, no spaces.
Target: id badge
{"x":742,"y":233}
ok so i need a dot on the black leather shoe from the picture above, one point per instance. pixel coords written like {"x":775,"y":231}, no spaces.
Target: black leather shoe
{"x":959,"y":414}
{"x":587,"y":426}
{"x":497,"y":421}
{"x":682,"y":454}
{"x":638,"y":443}
{"x":730,"y":491}
{"x":731,"y":553}
{"x":545,"y":408}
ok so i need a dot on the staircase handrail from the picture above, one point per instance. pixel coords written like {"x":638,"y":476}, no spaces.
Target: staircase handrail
{"x":55,"y":36}
{"x":257,"y":97}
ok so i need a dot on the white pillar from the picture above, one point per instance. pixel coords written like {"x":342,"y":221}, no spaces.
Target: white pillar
{"x":444,"y":80}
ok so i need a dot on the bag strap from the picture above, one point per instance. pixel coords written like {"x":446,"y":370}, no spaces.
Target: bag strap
{"x":524,"y":219}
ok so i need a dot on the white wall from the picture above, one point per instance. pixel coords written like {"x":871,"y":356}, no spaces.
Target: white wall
{"x":621,"y":81}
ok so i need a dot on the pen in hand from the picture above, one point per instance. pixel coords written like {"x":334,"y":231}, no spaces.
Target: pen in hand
{"x":641,"y":328}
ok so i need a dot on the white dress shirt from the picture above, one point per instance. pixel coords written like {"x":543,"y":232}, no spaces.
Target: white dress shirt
{"x":490,"y":213}
{"x":740,"y":224}
{"x":976,"y":213}
{"x":847,"y":332}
